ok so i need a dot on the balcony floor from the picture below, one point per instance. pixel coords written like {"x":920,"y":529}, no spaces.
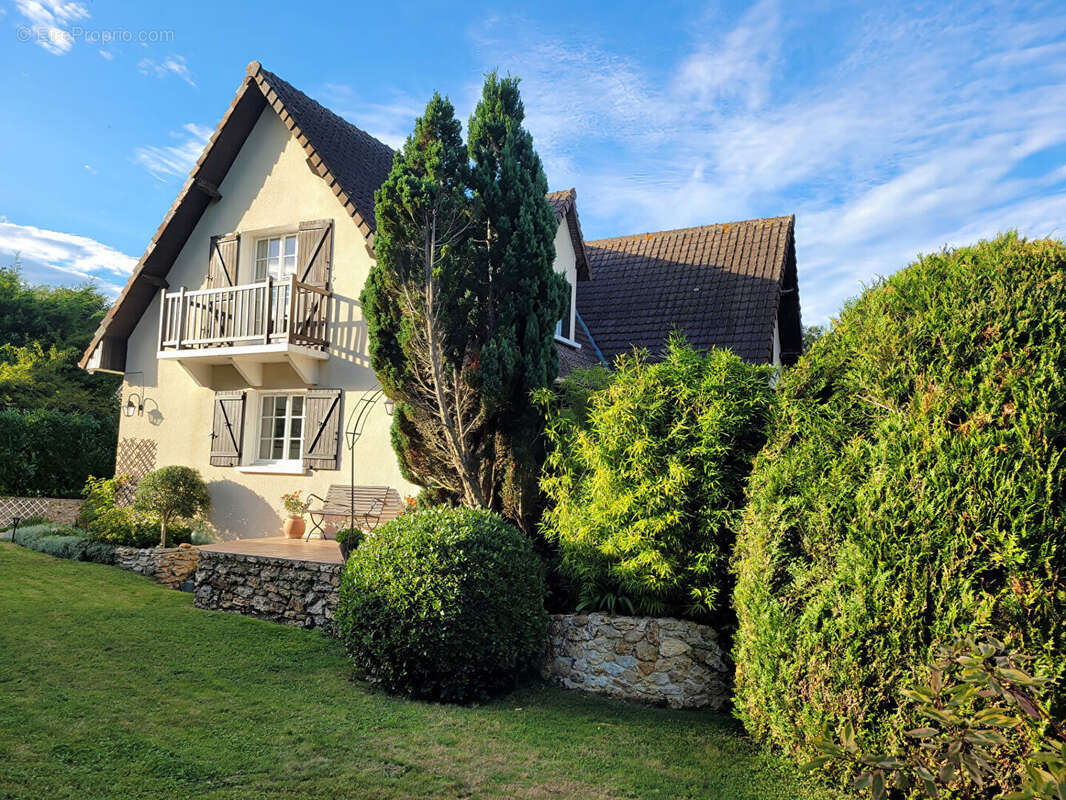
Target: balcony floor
{"x":322,"y":551}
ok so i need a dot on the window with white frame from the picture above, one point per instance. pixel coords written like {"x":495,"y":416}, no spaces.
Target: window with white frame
{"x":281,"y":428}
{"x":564,"y":328}
{"x":275,"y":257}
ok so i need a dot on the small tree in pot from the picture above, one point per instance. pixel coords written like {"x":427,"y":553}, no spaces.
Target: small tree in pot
{"x":173,"y":493}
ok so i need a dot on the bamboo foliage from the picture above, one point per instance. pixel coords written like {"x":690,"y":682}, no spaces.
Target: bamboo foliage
{"x":646,"y":480}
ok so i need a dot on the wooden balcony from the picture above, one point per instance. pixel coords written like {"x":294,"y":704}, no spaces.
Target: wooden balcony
{"x":246,"y":326}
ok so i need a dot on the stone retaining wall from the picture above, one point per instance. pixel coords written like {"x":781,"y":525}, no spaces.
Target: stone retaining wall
{"x":170,"y":566}
{"x":56,"y":509}
{"x":301,"y":593}
{"x":669,"y":661}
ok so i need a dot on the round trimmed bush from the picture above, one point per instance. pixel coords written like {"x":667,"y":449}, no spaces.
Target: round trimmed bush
{"x":911,"y":487}
{"x":444,"y":603}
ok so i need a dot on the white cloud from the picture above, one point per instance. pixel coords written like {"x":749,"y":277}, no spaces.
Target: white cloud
{"x":49,"y":22}
{"x":738,"y":65}
{"x":90,"y":169}
{"x":176,"y":160}
{"x":41,"y":250}
{"x":910,"y":133}
{"x":107,"y":55}
{"x":391,"y":121}
{"x":171,"y":65}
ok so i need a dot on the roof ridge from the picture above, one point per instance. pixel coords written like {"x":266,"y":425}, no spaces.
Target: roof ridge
{"x":693,"y":229}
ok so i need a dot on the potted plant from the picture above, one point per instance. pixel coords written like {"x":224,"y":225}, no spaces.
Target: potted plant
{"x":348,"y":539}
{"x":296,"y":507}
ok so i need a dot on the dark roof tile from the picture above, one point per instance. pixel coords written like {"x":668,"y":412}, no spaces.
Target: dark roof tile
{"x":720,"y":284}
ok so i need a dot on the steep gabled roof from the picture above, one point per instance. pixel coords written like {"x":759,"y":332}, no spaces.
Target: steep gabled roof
{"x":352,"y":162}
{"x":565,"y":204}
{"x":722,"y":285}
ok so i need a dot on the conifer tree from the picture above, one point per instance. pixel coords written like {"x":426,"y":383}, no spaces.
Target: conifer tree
{"x":514,"y":231}
{"x":463,"y":300}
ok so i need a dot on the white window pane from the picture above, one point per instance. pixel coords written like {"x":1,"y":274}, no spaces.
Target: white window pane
{"x":298,"y":405}
{"x":289,"y":267}
{"x":264,"y":449}
{"x":294,"y":449}
{"x":296,"y":431}
{"x":261,"y":249}
{"x":273,"y":247}
{"x":264,"y":430}
{"x":278,"y":449}
{"x":290,"y":246}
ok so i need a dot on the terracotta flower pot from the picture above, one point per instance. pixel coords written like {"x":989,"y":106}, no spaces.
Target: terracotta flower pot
{"x":295,"y":527}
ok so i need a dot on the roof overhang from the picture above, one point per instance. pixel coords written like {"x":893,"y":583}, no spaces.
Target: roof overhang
{"x":565,"y":205}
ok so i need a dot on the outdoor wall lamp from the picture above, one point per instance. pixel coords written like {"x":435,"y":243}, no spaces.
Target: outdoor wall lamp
{"x":135,"y":401}
{"x":132,"y":407}
{"x":390,"y":406}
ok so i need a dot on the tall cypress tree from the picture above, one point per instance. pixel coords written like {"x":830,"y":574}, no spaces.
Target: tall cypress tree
{"x":418,"y":305}
{"x":514,"y":231}
{"x":463,"y":301}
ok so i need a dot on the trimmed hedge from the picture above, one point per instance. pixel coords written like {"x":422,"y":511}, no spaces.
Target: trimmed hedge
{"x":444,"y":603}
{"x":912,"y":487}
{"x":646,"y":477}
{"x":46,"y":453}
{"x":64,"y":542}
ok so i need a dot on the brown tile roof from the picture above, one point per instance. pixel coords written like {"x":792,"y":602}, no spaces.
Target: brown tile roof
{"x":720,"y":284}
{"x":565,"y":204}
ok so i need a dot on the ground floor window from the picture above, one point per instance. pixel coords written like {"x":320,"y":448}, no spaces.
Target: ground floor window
{"x":281,"y":428}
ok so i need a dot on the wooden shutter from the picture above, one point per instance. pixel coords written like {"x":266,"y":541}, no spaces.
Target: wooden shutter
{"x":227,"y":429}
{"x":222,"y":265}
{"x":315,"y":251}
{"x":322,"y":429}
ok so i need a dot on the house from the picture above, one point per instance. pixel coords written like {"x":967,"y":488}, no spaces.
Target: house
{"x":241,"y":340}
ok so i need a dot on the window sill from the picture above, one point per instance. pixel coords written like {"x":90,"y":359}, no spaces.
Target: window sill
{"x":568,"y":342}
{"x":292,"y":468}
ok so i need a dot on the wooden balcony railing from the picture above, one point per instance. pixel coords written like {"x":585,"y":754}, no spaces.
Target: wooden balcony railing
{"x":269,"y":312}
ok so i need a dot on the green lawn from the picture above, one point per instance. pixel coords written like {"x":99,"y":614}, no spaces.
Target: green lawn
{"x":111,"y":686}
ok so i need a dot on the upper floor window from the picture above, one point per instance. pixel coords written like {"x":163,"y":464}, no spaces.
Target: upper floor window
{"x":564,"y":328}
{"x":275,"y":257}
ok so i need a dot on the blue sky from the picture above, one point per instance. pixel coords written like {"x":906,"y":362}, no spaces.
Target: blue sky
{"x":888,"y":129}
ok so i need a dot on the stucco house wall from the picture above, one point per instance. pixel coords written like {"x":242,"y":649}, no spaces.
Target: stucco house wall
{"x":269,"y":189}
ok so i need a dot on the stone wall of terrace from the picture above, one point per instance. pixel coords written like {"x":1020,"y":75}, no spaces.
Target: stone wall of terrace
{"x":301,"y":593}
{"x":668,"y":661}
{"x":170,"y":566}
